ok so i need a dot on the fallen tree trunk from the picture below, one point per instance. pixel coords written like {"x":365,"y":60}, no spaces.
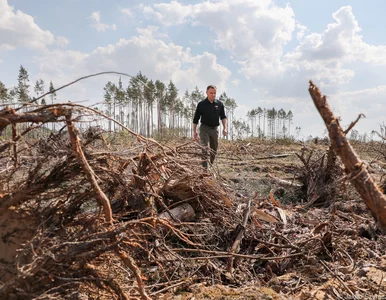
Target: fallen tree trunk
{"x":9,"y":116}
{"x":355,"y":168}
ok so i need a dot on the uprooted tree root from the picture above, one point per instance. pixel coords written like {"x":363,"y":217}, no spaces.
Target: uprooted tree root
{"x":167,"y":225}
{"x":321,"y":175}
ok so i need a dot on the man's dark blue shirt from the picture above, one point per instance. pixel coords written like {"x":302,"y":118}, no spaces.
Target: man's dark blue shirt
{"x":210,"y":113}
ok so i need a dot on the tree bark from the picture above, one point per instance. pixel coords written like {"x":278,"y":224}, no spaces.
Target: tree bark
{"x":355,"y":168}
{"x":99,"y":194}
{"x":9,"y":116}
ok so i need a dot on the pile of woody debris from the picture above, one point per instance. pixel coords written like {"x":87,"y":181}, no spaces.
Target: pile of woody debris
{"x":81,"y":218}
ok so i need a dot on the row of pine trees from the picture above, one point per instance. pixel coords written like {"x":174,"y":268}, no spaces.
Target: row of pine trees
{"x":155,"y":109}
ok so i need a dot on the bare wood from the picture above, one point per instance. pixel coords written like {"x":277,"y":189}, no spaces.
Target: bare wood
{"x":14,"y":149}
{"x":283,"y":182}
{"x":76,"y":147}
{"x":183,"y":213}
{"x":355,"y":168}
{"x":8,"y":116}
{"x":240,"y":233}
{"x":271,"y":156}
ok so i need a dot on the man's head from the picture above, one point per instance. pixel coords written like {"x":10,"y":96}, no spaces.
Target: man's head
{"x":211,"y":92}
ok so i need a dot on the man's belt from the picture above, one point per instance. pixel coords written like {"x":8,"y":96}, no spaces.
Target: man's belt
{"x":211,"y":127}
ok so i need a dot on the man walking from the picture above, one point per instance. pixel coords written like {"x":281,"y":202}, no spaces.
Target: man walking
{"x":210,"y":111}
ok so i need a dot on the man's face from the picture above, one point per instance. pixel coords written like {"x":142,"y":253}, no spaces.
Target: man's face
{"x":211,"y":94}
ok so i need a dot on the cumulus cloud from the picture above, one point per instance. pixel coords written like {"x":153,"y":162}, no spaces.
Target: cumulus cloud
{"x":165,"y":60}
{"x":340,"y":41}
{"x":144,"y":52}
{"x":243,"y":27}
{"x":18,"y":29}
{"x":62,"y":42}
{"x":173,"y":13}
{"x":348,"y":105}
{"x":252,"y":32}
{"x":301,"y":31}
{"x":326,"y":55}
{"x":98,"y":25}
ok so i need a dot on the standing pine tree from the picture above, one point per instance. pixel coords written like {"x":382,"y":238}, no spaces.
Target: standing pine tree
{"x":108,"y":96}
{"x":290,"y":117}
{"x":160,"y":96}
{"x":53,"y":98}
{"x":171,"y":95}
{"x":22,"y":89}
{"x":3,"y":93}
{"x":39,"y":90}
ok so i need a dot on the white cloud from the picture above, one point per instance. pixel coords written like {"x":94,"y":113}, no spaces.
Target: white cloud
{"x":98,"y":25}
{"x":168,"y":14}
{"x":253,"y":32}
{"x":152,"y":56}
{"x":165,"y":60}
{"x":349,"y":105}
{"x":243,"y":27}
{"x":235,"y":82}
{"x":127,"y":12}
{"x":325,"y":56}
{"x":340,"y":41}
{"x":195,"y":42}
{"x":62,"y":42}
{"x":301,"y":31}
{"x":18,"y":29}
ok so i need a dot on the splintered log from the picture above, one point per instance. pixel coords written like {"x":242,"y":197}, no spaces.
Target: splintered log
{"x":9,"y":116}
{"x":76,"y":147}
{"x":355,"y":168}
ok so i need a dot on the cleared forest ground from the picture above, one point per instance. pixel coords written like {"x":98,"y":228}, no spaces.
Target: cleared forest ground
{"x":264,"y":223}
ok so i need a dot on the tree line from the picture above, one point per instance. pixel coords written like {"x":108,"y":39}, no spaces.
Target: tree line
{"x":156,"y":109}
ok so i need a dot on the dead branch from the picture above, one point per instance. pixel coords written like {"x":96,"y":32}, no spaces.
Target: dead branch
{"x":239,"y":235}
{"x":14,"y":148}
{"x":353,"y":124}
{"x":143,"y":255}
{"x":99,"y":194}
{"x":129,"y":261}
{"x":355,"y":168}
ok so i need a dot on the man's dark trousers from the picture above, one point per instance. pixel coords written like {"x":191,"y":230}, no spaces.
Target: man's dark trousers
{"x":208,"y":136}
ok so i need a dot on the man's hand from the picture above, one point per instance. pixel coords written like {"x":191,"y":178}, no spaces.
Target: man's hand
{"x":224,"y":132}
{"x":196,"y":136}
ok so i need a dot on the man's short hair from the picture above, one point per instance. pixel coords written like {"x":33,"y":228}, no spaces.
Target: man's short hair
{"x":211,"y":87}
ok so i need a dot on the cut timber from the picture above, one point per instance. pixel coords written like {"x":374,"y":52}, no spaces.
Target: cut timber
{"x":183,"y":213}
{"x":283,"y":182}
{"x":9,"y":116}
{"x":355,"y":168}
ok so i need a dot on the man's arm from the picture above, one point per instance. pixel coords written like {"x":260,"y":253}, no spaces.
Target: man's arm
{"x":225,"y":128}
{"x":195,"y":134}
{"x":196,"y":117}
{"x":224,"y":120}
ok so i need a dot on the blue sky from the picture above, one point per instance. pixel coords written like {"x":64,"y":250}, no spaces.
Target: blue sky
{"x":260,"y":52}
